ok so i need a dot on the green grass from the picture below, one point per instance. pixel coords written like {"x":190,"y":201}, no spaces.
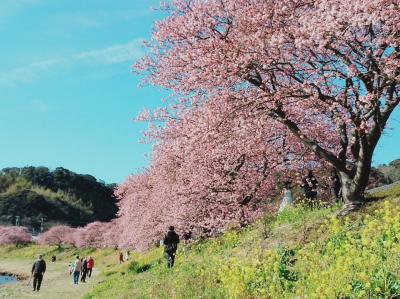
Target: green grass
{"x":292,"y":255}
{"x":30,"y":252}
{"x":300,"y":253}
{"x":391,"y":193}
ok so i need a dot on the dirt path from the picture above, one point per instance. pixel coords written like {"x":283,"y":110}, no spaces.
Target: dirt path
{"x":57,"y":283}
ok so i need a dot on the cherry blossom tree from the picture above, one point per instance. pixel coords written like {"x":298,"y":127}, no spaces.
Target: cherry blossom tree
{"x":207,"y":174}
{"x":14,"y":235}
{"x":96,"y":235}
{"x":112,"y":234}
{"x":57,"y":235}
{"x":142,"y":215}
{"x":318,"y":75}
{"x":88,"y":236}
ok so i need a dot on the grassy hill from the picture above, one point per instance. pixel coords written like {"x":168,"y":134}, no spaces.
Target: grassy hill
{"x":300,"y":253}
{"x":391,"y":171}
{"x":33,"y":203}
{"x":59,"y":196}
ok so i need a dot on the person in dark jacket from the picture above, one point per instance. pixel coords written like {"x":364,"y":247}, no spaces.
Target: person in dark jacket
{"x":309,"y":186}
{"x":335,"y":185}
{"x":84,"y":270}
{"x":170,"y":242}
{"x":38,"y":269}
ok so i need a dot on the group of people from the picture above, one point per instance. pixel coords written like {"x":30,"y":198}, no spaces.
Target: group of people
{"x":81,"y":267}
{"x":309,"y":186}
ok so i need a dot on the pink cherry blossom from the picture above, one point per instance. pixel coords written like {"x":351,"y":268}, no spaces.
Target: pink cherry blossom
{"x":261,"y":91}
{"x":14,"y":235}
{"x":280,"y":84}
{"x":57,"y":235}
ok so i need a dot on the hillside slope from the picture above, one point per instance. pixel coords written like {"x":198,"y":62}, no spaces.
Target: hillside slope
{"x":300,"y":253}
{"x":58,"y":196}
{"x":391,"y":171}
{"x":31,"y":204}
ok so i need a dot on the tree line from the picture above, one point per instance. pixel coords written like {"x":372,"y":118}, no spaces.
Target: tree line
{"x":38,"y":194}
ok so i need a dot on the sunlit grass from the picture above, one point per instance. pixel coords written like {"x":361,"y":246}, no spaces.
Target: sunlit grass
{"x":300,"y":253}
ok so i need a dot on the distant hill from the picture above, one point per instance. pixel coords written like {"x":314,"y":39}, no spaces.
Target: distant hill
{"x":391,"y":171}
{"x":59,"y":196}
{"x":384,"y":174}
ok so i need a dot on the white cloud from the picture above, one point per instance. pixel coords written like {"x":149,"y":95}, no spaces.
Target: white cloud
{"x":28,"y":73}
{"x":115,"y":54}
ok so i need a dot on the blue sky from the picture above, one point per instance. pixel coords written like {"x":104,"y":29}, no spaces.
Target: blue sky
{"x":67,"y":94}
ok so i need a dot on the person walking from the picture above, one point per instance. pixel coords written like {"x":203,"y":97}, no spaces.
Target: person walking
{"x":90,"y":265}
{"x":335,"y":185}
{"x":77,"y":269}
{"x":170,"y":242}
{"x":287,"y":197}
{"x":38,"y":270}
{"x":84,"y":270}
{"x":306,"y":187}
{"x":309,"y":186}
{"x":121,"y":257}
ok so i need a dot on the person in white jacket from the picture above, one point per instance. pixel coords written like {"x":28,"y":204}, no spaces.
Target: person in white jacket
{"x":287,"y":197}
{"x":77,"y":267}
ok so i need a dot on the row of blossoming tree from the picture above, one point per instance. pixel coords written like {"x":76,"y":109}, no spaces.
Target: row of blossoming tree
{"x":14,"y":235}
{"x":96,"y":234}
{"x":261,"y":90}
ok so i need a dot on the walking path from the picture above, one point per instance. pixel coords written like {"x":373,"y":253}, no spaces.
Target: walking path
{"x":57,"y":283}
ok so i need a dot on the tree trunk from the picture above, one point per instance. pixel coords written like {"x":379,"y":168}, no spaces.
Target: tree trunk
{"x":352,"y":196}
{"x":354,"y":184}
